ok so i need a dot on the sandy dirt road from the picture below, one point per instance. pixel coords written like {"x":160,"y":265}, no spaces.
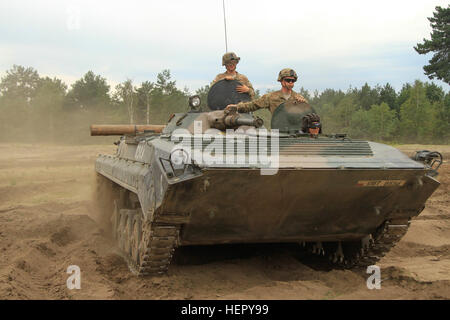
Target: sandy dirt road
{"x":47,"y":223}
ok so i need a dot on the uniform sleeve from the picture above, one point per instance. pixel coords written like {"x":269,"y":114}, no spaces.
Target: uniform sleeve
{"x":249,"y":85}
{"x":253,"y":105}
{"x":298,"y":95}
{"x":217,"y":78}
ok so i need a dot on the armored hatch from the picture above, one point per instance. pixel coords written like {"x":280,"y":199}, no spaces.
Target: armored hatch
{"x":288,"y":117}
{"x":223,"y":93}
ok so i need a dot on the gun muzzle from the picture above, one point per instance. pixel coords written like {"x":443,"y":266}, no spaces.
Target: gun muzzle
{"x":236,"y":120}
{"x":123,"y":129}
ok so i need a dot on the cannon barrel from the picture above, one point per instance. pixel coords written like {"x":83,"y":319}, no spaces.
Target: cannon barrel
{"x":235,"y":120}
{"x":249,"y":122}
{"x":123,"y":129}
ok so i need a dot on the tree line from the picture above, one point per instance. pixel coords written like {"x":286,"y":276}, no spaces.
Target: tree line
{"x":418,"y":113}
{"x":35,"y":108}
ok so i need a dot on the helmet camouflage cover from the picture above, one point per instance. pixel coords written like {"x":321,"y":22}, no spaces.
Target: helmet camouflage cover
{"x":228,"y":57}
{"x":287,"y":72}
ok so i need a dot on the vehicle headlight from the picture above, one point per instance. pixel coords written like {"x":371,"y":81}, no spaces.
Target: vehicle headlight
{"x":194,"y":102}
{"x":180,"y":156}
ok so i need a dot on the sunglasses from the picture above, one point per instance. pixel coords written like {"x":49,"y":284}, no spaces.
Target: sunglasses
{"x":289,"y":80}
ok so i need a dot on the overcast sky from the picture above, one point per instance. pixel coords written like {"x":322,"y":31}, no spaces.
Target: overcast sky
{"x":331,"y":44}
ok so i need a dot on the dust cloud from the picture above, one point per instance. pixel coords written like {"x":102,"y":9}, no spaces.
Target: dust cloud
{"x":48,"y":221}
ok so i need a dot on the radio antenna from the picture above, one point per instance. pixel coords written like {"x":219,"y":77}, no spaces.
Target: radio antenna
{"x":225,"y":25}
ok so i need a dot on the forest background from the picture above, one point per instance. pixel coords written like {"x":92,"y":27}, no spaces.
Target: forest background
{"x":40,"y":109}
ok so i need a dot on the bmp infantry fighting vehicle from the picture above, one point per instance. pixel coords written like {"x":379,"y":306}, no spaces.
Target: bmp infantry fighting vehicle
{"x":197,"y":180}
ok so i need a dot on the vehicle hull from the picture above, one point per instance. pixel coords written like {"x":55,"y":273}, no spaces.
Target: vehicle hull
{"x":232,"y":206}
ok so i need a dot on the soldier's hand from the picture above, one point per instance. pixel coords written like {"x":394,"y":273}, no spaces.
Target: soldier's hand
{"x":301,"y":99}
{"x":242,"y":89}
{"x":229,"y":78}
{"x":230,"y":107}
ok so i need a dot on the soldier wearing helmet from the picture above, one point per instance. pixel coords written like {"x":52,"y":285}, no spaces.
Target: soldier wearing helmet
{"x":272,"y":100}
{"x":230,"y":60}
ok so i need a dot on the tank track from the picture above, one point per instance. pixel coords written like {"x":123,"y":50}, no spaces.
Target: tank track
{"x":365,"y":252}
{"x":384,"y":239}
{"x":147,"y":247}
{"x":156,"y":249}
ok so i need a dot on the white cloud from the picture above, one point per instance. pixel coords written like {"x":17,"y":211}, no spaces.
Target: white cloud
{"x":137,"y":39}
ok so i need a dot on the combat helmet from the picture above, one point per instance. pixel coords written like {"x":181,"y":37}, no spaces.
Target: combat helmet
{"x":287,"y":72}
{"x":228,"y":57}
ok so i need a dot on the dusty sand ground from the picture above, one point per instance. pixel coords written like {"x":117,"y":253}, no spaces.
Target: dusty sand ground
{"x":47,"y":223}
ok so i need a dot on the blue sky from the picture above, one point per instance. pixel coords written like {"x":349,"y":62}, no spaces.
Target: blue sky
{"x":331,"y":44}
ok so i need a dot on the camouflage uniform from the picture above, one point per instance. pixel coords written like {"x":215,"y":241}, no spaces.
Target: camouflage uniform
{"x":239,"y":77}
{"x":270,"y":100}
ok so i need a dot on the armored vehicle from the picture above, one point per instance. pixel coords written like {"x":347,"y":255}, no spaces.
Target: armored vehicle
{"x":219,"y":177}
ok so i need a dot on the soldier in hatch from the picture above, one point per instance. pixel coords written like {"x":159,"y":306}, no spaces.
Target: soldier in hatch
{"x":230,"y":60}
{"x":272,"y":100}
{"x":287,"y":77}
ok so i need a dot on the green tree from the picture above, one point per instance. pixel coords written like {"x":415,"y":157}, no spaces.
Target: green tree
{"x":127,"y":96}
{"x":439,"y":65}
{"x":329,"y":96}
{"x":389,"y":96}
{"x":434,"y":92}
{"x":367,"y":96}
{"x":167,"y":98}
{"x":404,"y":95}
{"x":338,"y":119}
{"x":416,"y":115}
{"x":47,"y":107}
{"x":326,"y":101}
{"x":144,"y":99}
{"x":382,"y":121}
{"x":440,"y":125}
{"x":164,"y":85}
{"x":304,"y":92}
{"x":359,"y":125}
{"x":202,"y":92}
{"x":19,"y":83}
{"x":90,"y":92}
{"x":17,"y":92}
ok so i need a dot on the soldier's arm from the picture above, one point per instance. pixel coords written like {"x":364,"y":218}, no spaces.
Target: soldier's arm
{"x":298,"y":97}
{"x":217,"y":78}
{"x":249,"y":85}
{"x":253,"y":105}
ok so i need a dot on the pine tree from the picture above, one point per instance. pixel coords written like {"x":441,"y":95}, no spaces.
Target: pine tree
{"x":416,"y":115}
{"x":439,"y":65}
